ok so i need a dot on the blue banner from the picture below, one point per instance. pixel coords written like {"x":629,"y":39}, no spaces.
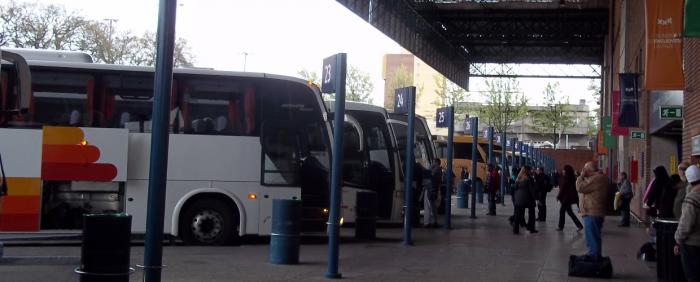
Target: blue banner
{"x":629,"y":100}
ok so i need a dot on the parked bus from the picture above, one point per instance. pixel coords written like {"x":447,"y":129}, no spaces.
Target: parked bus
{"x":76,"y":139}
{"x":370,"y":159}
{"x":462,"y":154}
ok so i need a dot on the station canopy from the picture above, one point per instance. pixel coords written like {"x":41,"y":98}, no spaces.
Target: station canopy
{"x":451,"y":35}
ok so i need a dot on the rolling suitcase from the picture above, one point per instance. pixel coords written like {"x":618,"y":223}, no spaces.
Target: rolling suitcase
{"x":583,"y":266}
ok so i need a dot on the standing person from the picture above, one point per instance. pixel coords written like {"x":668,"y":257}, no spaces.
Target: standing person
{"x":542,"y":187}
{"x":492,"y":187}
{"x":430,"y":194}
{"x":668,"y":196}
{"x":688,"y":233}
{"x":568,"y":196}
{"x":524,"y":198}
{"x":625,"y":189}
{"x":682,"y":189}
{"x":593,"y":187}
{"x":654,"y":190}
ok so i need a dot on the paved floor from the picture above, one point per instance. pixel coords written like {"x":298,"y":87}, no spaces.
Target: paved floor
{"x":481,"y":249}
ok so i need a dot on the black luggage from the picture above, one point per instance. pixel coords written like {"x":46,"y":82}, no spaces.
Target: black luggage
{"x":584,"y":266}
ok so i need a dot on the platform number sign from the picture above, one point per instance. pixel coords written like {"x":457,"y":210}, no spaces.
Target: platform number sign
{"x":441,"y":117}
{"x":498,"y":138}
{"x":327,"y":77}
{"x":401,"y":100}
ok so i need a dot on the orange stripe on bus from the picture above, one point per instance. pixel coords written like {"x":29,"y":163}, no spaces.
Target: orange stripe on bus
{"x":75,"y":154}
{"x":63,"y":135}
{"x":20,"y":204}
{"x":18,"y":186}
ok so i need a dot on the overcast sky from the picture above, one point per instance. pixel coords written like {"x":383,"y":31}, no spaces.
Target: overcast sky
{"x":280,"y":36}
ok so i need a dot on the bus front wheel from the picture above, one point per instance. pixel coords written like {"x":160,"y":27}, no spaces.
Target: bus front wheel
{"x":209,"y":222}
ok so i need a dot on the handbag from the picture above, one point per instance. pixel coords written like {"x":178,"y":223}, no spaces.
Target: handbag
{"x":618,"y":200}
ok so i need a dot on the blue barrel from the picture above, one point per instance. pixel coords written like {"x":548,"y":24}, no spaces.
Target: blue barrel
{"x":463,"y":194}
{"x":479,"y":191}
{"x":366,"y":215}
{"x":106,"y":250}
{"x":286,"y":227}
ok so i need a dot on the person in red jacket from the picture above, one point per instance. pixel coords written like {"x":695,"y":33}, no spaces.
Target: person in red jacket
{"x":492,"y":187}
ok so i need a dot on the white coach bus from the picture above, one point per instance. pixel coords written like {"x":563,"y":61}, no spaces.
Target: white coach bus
{"x":75,"y":138}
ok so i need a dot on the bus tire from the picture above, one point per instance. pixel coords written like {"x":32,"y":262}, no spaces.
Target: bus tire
{"x":209,"y":221}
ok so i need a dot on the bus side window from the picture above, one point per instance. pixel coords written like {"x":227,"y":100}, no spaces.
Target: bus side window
{"x":61,"y":98}
{"x":220,"y":107}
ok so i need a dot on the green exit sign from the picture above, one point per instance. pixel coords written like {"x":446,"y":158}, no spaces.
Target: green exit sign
{"x":671,"y":112}
{"x":637,"y":135}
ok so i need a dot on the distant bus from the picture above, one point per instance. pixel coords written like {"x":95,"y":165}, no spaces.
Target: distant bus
{"x":462,"y":154}
{"x":76,"y":139}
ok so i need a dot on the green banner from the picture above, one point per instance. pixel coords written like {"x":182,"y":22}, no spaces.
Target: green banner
{"x":692,"y":18}
{"x":608,"y":139}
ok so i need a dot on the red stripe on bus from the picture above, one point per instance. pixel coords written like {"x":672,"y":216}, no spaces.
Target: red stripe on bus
{"x":87,"y":172}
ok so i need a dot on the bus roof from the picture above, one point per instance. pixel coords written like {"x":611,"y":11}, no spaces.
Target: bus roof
{"x":52,"y":55}
{"x":358,"y":106}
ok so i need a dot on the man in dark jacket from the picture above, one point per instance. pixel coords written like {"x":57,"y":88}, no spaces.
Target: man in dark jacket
{"x":542,"y":187}
{"x":492,"y":186}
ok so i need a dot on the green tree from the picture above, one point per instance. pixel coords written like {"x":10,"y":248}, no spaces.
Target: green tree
{"x":399,"y":78}
{"x":505,"y":102}
{"x":311,"y":76}
{"x":555,"y":116}
{"x":358,"y":86}
{"x":449,"y":93}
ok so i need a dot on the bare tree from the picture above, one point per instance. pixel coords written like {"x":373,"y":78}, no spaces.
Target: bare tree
{"x":30,"y":25}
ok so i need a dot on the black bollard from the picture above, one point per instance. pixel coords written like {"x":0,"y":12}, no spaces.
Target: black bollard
{"x":286,"y":227}
{"x":366,"y":212}
{"x":463,"y":194}
{"x":668,"y":265}
{"x":106,"y":249}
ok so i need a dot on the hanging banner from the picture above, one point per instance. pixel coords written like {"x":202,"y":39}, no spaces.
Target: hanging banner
{"x":692,"y":18}
{"x":608,"y":139}
{"x":599,"y":143}
{"x":628,"y":99}
{"x":616,"y":129}
{"x":664,"y":42}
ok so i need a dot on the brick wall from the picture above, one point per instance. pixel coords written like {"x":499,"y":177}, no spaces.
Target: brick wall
{"x":574,"y":158}
{"x":691,"y":95}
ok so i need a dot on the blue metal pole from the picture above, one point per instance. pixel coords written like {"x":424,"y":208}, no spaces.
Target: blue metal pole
{"x":531,"y":155}
{"x":158,"y":171}
{"x":336,"y":167}
{"x":521,"y":157}
{"x":504,"y":167}
{"x":408,"y":177}
{"x":513,"y":145}
{"x":450,"y":145}
{"x":489,"y":135}
{"x":473,"y":176}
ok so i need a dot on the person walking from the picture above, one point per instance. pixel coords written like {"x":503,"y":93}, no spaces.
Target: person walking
{"x":430,"y":194}
{"x":688,"y":232}
{"x":542,"y":186}
{"x":492,"y":186}
{"x":625,"y":189}
{"x":593,"y":186}
{"x":567,"y":196}
{"x":524,"y":198}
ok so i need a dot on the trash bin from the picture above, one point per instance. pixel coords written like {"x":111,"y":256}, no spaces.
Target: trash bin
{"x":286,"y":227}
{"x":668,"y":265}
{"x":106,"y":248}
{"x":366,"y":215}
{"x":463,"y":194}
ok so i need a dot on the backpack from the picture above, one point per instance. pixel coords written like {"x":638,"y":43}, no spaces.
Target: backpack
{"x":647,"y":252}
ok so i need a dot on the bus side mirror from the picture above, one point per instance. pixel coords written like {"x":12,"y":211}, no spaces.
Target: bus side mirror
{"x":23,"y":76}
